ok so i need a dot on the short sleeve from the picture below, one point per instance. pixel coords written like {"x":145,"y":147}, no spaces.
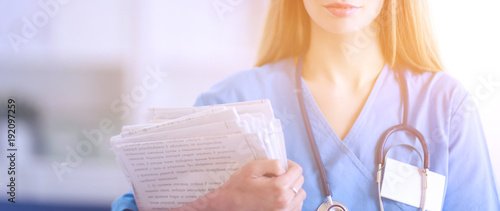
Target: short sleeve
{"x":214,"y":98}
{"x":471,"y":184}
{"x":200,"y":100}
{"x":125,"y":202}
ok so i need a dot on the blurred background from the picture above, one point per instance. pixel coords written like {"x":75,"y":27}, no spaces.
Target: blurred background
{"x":79,"y":70}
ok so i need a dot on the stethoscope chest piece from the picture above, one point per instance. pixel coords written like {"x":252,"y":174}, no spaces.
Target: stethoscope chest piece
{"x":331,"y":205}
{"x":336,"y":206}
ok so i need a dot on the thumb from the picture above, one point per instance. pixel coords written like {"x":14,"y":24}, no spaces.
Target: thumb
{"x":266,"y":168}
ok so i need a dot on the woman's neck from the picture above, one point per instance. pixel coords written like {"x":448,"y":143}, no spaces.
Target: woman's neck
{"x":351,"y":61}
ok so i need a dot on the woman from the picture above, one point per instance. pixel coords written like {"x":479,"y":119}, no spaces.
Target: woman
{"x":352,"y":55}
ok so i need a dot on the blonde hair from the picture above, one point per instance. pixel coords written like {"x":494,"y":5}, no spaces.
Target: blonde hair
{"x":406,"y":36}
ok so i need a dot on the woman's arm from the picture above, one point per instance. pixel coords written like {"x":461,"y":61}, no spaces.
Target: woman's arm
{"x":471,"y":184}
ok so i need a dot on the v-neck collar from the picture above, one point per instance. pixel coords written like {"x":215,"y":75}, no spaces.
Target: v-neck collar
{"x":315,"y":112}
{"x":311,"y":103}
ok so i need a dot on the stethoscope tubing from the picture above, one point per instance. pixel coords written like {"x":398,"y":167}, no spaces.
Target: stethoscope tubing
{"x":312,"y":140}
{"x":404,"y":126}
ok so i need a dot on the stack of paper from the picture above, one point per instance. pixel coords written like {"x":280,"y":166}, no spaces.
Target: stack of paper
{"x":188,"y":152}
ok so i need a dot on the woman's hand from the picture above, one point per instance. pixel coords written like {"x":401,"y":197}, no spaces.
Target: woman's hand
{"x":264,"y":185}
{"x":259,"y":185}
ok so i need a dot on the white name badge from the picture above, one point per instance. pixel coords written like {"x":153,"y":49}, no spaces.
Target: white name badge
{"x":403,"y":183}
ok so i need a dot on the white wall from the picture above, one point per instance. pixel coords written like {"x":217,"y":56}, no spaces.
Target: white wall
{"x":190,"y":41}
{"x":195,"y":43}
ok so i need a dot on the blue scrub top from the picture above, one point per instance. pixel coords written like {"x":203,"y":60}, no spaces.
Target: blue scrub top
{"x":440,"y":108}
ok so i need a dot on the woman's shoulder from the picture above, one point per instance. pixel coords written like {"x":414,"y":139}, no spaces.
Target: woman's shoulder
{"x":441,"y":80}
{"x":251,"y":84}
{"x":437,"y":88}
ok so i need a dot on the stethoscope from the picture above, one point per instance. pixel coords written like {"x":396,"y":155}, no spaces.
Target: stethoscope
{"x":332,"y":205}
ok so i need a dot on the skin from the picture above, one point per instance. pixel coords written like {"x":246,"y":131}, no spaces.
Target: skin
{"x":340,"y":80}
{"x":332,"y":77}
{"x":258,"y":185}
